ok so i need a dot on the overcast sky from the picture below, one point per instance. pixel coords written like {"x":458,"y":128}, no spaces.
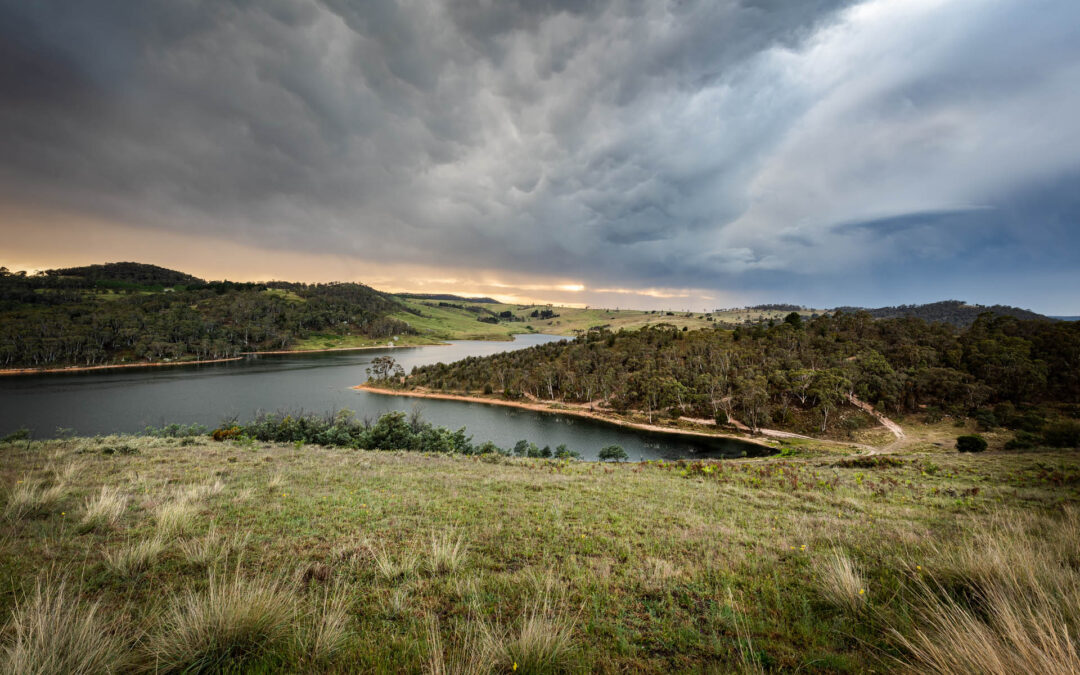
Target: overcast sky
{"x":632,"y":153}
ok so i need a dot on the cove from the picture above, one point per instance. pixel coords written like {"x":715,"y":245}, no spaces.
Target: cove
{"x":128,"y":400}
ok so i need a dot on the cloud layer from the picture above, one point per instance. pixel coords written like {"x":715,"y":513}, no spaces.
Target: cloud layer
{"x":824,"y":152}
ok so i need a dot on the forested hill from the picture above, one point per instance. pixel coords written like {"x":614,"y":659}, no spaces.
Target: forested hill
{"x":126,"y":312}
{"x":955,"y":312}
{"x":794,"y":375}
{"x":447,"y":297}
{"x":128,"y":273}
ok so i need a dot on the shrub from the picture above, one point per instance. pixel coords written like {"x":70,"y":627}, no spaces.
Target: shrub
{"x":721,"y":418}
{"x":20,"y":434}
{"x":1023,"y":440}
{"x":613,"y":453}
{"x":985,"y":420}
{"x":562,"y":452}
{"x":971,"y":443}
{"x":1063,"y":434}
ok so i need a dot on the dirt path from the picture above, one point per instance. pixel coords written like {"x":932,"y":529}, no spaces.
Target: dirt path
{"x":576,"y":410}
{"x":896,"y":429}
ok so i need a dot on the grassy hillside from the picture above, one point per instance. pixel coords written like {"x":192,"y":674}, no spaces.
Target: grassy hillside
{"x":446,"y":321}
{"x":193,"y":555}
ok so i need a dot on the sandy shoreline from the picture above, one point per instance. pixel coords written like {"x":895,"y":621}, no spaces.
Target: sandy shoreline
{"x":576,"y":412}
{"x":159,"y":364}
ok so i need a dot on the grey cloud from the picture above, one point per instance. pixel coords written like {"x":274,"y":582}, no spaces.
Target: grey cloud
{"x":691,"y":143}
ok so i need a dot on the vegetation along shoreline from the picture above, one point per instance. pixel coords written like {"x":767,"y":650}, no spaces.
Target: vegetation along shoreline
{"x":575,"y":412}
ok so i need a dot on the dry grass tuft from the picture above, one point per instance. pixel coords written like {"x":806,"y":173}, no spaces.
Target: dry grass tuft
{"x":543,"y":641}
{"x":212,"y":547}
{"x":174,"y":517}
{"x":134,"y":558}
{"x":1007,"y":601}
{"x":466,"y":659}
{"x":235,"y":620}
{"x":52,"y":631}
{"x":448,"y":553}
{"x":104,"y":510}
{"x":841,"y":583}
{"x":30,"y":498}
{"x":392,"y":567}
{"x":328,"y":633}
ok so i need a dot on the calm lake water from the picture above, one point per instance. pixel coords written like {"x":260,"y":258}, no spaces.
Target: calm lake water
{"x":128,"y":400}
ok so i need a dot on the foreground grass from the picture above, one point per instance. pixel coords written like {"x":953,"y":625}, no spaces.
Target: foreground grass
{"x":201,"y":556}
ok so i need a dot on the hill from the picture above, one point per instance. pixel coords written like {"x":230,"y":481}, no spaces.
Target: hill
{"x":447,"y":297}
{"x":130,"y":273}
{"x":792,"y":377}
{"x":954,"y":312}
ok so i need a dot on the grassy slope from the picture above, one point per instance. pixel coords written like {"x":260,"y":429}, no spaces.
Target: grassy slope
{"x":456,"y":324}
{"x":655,"y":570}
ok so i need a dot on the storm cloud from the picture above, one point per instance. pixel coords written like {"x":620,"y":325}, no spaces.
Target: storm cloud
{"x":823,"y":152}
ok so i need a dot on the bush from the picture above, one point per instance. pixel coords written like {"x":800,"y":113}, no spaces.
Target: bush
{"x":971,"y":443}
{"x":1063,"y":434}
{"x":1024,"y":440}
{"x":613,"y":453}
{"x":721,"y":418}
{"x":21,"y":434}
{"x":985,"y":420}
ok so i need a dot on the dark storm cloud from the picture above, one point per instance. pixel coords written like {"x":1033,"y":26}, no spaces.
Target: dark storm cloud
{"x":711,"y":144}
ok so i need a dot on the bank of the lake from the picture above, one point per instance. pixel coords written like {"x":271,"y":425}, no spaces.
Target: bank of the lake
{"x":198,"y":362}
{"x":556,"y":408}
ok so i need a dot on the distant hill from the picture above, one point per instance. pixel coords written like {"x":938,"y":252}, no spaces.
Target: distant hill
{"x":955,"y":312}
{"x":447,"y":297}
{"x":129,"y":273}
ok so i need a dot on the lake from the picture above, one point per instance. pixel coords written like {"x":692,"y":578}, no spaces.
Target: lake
{"x":130,"y":399}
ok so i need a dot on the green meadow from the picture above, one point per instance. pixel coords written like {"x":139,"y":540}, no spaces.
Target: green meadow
{"x":142,"y":554}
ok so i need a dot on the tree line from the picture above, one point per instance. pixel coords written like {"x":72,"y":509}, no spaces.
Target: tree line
{"x":59,"y":320}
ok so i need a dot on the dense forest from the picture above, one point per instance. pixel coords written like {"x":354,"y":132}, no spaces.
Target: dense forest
{"x":131,"y":312}
{"x":794,"y":375}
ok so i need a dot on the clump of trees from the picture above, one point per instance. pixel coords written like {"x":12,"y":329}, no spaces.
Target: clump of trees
{"x":798,"y":374}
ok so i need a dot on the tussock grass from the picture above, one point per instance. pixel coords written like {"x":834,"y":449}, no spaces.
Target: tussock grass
{"x":467,"y":658}
{"x":541,"y":642}
{"x":236,"y":620}
{"x":391,"y":566}
{"x":174,"y":517}
{"x":212,"y":547}
{"x":31,"y":498}
{"x":1007,"y":600}
{"x":103,"y":510}
{"x":53,"y":631}
{"x":134,"y":558}
{"x":328,"y":630}
{"x":448,"y":553}
{"x":841,"y":583}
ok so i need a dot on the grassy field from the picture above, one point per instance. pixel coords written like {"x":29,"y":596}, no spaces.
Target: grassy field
{"x":446,"y":322}
{"x":187,"y":555}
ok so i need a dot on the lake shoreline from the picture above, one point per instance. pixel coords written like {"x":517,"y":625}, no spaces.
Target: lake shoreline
{"x":575,"y":412}
{"x":243,"y":355}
